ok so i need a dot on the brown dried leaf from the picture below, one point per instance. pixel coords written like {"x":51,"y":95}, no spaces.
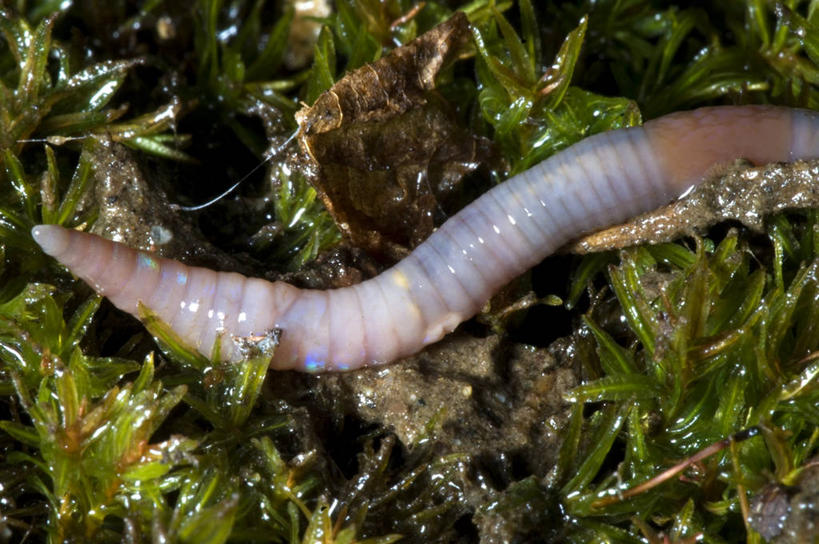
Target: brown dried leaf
{"x":392,"y":85}
{"x":388,"y":148}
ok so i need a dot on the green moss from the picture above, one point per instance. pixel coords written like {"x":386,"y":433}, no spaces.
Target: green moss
{"x":117,"y":446}
{"x":719,"y":350}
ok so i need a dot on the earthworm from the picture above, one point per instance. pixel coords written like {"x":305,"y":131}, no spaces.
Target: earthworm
{"x":597,"y":182}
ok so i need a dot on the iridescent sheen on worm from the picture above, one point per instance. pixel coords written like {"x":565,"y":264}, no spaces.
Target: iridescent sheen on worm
{"x":600,"y":181}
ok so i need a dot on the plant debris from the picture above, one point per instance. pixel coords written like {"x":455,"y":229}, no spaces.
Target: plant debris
{"x":788,"y":514}
{"x":304,"y":31}
{"x":739,"y":193}
{"x":666,"y":350}
{"x":137,"y":213}
{"x":389,"y":150}
{"x":472,"y":395}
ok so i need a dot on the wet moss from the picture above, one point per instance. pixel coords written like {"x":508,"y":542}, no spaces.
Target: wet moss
{"x":698,"y":355}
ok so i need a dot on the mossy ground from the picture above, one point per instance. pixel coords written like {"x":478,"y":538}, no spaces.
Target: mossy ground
{"x":102,"y":442}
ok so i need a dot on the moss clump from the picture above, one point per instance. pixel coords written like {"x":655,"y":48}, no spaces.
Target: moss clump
{"x":721,"y":349}
{"x":104,"y":441}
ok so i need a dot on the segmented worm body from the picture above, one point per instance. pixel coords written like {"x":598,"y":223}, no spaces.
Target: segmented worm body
{"x":598,"y":182}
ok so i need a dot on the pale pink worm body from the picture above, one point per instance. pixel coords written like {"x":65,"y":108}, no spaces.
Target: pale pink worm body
{"x":598,"y":182}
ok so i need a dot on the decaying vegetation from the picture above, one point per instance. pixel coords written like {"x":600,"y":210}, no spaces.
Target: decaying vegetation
{"x":697,"y":356}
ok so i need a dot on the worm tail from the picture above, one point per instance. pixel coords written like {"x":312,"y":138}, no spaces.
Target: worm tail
{"x":596,"y":183}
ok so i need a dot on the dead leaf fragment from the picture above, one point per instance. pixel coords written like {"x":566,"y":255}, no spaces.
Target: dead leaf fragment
{"x":388,"y":148}
{"x":392,"y":85}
